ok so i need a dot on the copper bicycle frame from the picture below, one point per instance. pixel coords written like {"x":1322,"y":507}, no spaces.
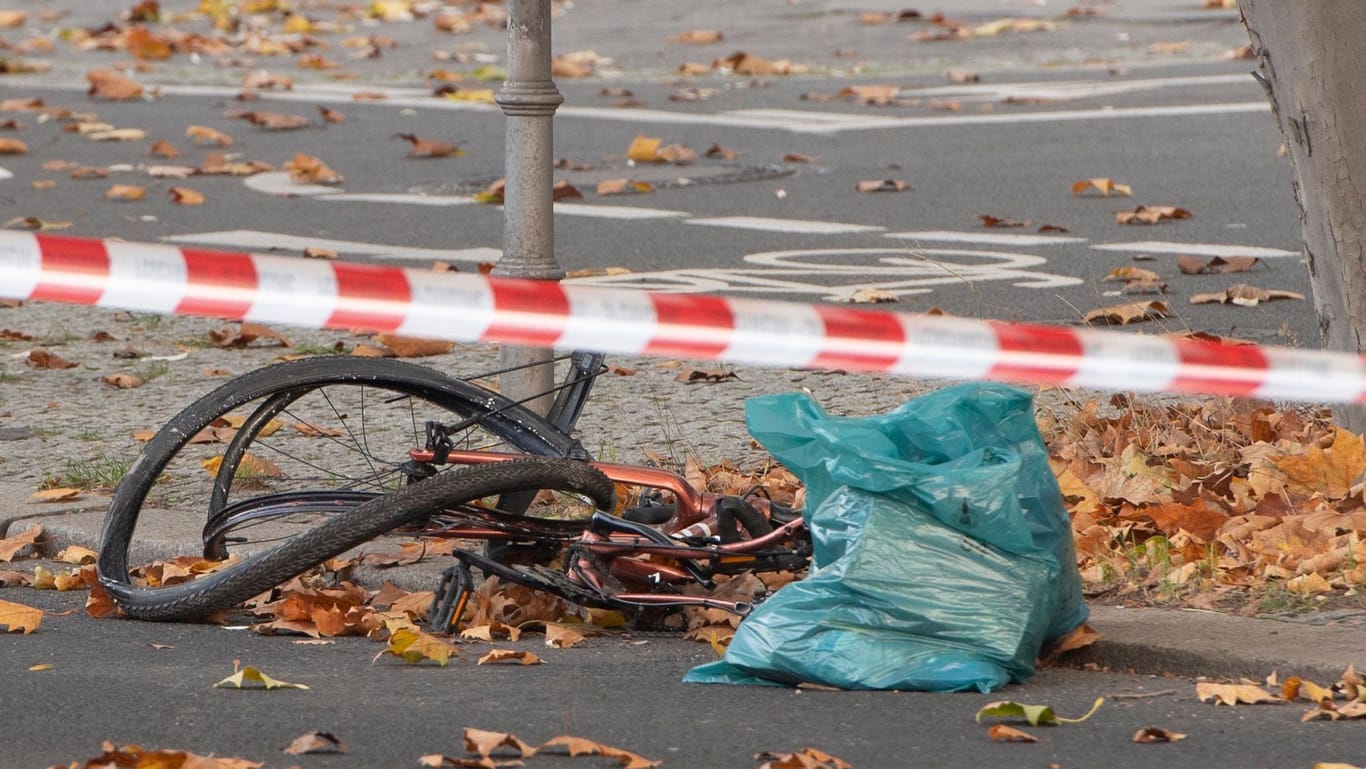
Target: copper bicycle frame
{"x":625,"y":551}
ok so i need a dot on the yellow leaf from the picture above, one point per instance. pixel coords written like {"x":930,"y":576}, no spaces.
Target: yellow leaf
{"x":1331,"y":471}
{"x":18,"y":618}
{"x":644,"y":149}
{"x":510,"y":655}
{"x":413,"y":646}
{"x":11,"y":546}
{"x":251,"y":675}
{"x":41,"y":667}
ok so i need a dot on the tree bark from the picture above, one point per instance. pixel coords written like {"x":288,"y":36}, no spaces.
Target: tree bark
{"x":1310,"y":63}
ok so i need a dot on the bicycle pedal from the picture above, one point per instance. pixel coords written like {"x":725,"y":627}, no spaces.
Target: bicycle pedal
{"x":452,"y":594}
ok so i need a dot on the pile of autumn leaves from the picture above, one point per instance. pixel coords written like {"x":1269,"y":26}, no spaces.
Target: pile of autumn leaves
{"x":1211,"y":503}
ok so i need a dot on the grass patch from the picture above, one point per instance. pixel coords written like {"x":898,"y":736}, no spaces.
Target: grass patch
{"x":152,"y":370}
{"x":102,"y":471}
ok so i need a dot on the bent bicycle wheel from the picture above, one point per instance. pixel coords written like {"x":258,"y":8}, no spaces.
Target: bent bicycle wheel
{"x":332,"y":535}
{"x":270,"y":454}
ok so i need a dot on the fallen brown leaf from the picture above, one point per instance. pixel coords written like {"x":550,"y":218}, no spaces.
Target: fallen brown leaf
{"x":105,"y":84}
{"x":129,"y":192}
{"x":1244,"y":295}
{"x":315,"y":742}
{"x":1124,"y":314}
{"x":184,"y":196}
{"x":43,"y":359}
{"x":1151,"y":734}
{"x":1152,"y":215}
{"x":698,"y":37}
{"x":882,"y":185}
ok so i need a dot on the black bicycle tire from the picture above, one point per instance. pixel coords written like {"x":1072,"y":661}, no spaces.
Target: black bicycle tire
{"x":521,"y":427}
{"x":258,"y":573}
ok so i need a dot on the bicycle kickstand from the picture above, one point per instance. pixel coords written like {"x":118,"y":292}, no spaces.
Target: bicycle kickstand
{"x":452,"y":594}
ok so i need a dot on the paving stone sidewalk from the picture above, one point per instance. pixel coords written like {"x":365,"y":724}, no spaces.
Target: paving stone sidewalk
{"x":51,"y":417}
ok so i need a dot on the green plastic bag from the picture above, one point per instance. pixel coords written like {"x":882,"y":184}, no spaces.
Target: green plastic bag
{"x":943,"y":553}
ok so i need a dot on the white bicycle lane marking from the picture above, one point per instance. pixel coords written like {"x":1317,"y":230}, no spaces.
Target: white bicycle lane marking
{"x":816,"y":121}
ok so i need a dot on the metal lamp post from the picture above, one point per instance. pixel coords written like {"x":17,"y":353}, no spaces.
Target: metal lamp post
{"x":529,"y":99}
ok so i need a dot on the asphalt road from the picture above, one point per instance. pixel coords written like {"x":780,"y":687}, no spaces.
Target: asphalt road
{"x":107,"y":682}
{"x":1188,"y":130}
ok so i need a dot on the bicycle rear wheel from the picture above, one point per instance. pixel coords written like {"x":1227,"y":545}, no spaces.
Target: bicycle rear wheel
{"x":335,"y":534}
{"x":269,"y":454}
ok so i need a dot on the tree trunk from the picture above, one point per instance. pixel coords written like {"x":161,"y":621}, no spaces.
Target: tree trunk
{"x":1310,"y":63}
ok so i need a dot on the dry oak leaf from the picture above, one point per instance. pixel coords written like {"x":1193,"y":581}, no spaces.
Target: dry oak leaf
{"x":485,"y":742}
{"x":1244,"y":295}
{"x":207,"y":136}
{"x":306,"y":169}
{"x":1003,"y":733}
{"x":413,"y":347}
{"x":112,"y":86}
{"x":1151,"y":215}
{"x":1234,"y":694}
{"x":1104,"y":186}
{"x":995,"y":221}
{"x":698,"y":37}
{"x":1078,"y":637}
{"x":164,"y":149}
{"x":245,"y":334}
{"x":486,"y":632}
{"x":18,"y":618}
{"x":882,"y":185}
{"x":563,"y":190}
{"x":12,"y":147}
{"x":1331,"y":471}
{"x":1151,"y":734}
{"x":41,"y":358}
{"x":129,"y":192}
{"x":1191,"y":265}
{"x":12,"y":546}
{"x":578,"y":746}
{"x":184,"y":196}
{"x":427,"y":148}
{"x":77,"y":555}
{"x":315,"y":742}
{"x":510,"y":655}
{"x":1124,"y":314}
{"x":62,"y":494}
{"x":122,"y":381}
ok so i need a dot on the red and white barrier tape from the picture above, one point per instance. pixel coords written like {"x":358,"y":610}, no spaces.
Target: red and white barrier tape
{"x":326,"y":294}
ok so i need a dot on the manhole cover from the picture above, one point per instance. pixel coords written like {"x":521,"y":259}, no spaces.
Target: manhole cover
{"x":662,"y":176}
